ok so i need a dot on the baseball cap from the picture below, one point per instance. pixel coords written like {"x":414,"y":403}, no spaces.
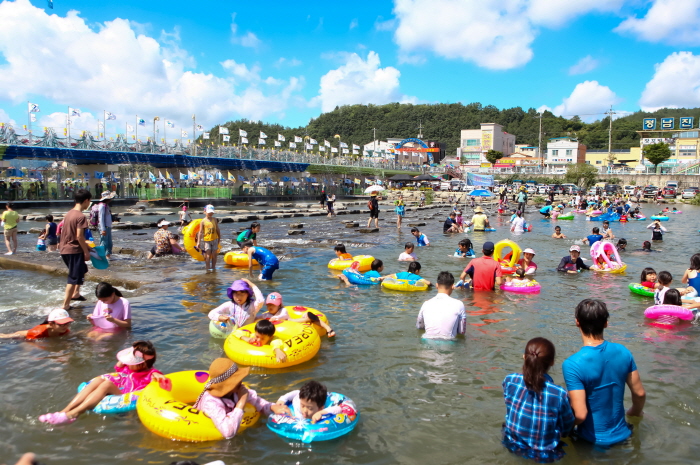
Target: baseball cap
{"x":274,"y":298}
{"x":209,"y":209}
{"x":488,"y":245}
{"x":59,"y":315}
{"x":574,"y":248}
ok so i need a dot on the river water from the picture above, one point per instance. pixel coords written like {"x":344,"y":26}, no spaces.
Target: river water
{"x":421,"y":402}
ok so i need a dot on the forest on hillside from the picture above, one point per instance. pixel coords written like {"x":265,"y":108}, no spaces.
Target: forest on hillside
{"x":443,"y":122}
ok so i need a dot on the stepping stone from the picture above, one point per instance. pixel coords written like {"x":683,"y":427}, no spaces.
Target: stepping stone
{"x":351,"y":224}
{"x":415,"y":225}
{"x":370,"y":230}
{"x":36,"y":231}
{"x":139,"y":234}
{"x":296,"y":225}
{"x":295,"y":232}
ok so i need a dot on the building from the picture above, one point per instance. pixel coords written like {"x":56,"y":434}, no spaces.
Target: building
{"x":620,"y":159}
{"x":475,"y":143}
{"x":563,"y":151}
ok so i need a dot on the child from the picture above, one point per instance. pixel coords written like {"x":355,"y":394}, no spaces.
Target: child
{"x":460,"y":220}
{"x":421,"y":239}
{"x":41,"y":243}
{"x":520,"y":280}
{"x":134,"y":372}
{"x":621,"y":244}
{"x":276,"y":312}
{"x":175,"y":248}
{"x":607,"y":232}
{"x":249,"y":234}
{"x":341,"y":253}
{"x":407,"y":255}
{"x":400,"y":209}
{"x":50,"y":236}
{"x":691,"y":277}
{"x":264,"y":332}
{"x":648,"y":278}
{"x":246,"y":302}
{"x":309,"y":403}
{"x":664,"y":281}
{"x":673,"y":297}
{"x":376,"y":268}
{"x":557,"y":233}
{"x":224,"y":397}
{"x":111,"y":306}
{"x":450,"y":225}
{"x":267,"y":260}
{"x":594,"y":237}
{"x":465,"y":249}
{"x":208,"y":238}
{"x":657,"y":231}
{"x":530,"y":392}
{"x":55,"y":325}
{"x":646,"y":246}
{"x":412,"y":273}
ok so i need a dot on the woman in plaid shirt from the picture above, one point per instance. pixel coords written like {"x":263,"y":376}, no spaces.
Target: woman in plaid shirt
{"x":538,"y":413}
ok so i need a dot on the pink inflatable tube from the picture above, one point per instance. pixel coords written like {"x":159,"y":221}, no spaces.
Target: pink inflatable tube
{"x":658,"y":311}
{"x":598,"y":250}
{"x":531,"y":288}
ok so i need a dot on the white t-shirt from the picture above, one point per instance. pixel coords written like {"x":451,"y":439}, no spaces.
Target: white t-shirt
{"x":407,"y":257}
{"x":518,"y":224}
{"x":443,"y":317}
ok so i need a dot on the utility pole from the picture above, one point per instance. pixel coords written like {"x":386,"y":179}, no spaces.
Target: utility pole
{"x":539,"y":146}
{"x":420,"y":136}
{"x":374,"y":152}
{"x":610,"y":155}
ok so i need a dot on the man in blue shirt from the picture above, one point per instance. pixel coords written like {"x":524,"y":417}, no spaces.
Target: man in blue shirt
{"x":546,"y":211}
{"x":593,"y":238}
{"x":595,"y":377}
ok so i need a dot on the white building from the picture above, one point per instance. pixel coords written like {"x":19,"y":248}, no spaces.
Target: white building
{"x":475,"y":143}
{"x":563,"y":151}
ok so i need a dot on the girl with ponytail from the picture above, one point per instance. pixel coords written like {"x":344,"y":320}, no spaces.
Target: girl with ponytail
{"x":538,"y":412}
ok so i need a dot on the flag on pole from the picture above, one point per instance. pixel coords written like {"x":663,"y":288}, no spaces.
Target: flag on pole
{"x":322,"y":148}
{"x":136,"y":176}
{"x":167,"y":175}
{"x":242,"y":133}
{"x":343,"y":145}
{"x":261,"y":141}
{"x":309,"y":147}
{"x":200,"y":127}
{"x":160,"y":176}
{"x":241,"y":178}
{"x":355,"y":147}
{"x":355,"y":152}
{"x":346,"y":151}
{"x":292,"y":145}
{"x":50,"y":4}
{"x":278,"y":143}
{"x":205,"y":135}
{"x":142,"y":122}
{"x":129,"y":128}
{"x":169,"y":123}
{"x":326,"y":143}
{"x":74,"y":112}
{"x":183,"y":177}
{"x":334,"y":150}
{"x":33,"y":107}
{"x":263,"y":135}
{"x":218,"y":176}
{"x":32,"y":117}
{"x":297,"y":139}
{"x":110,"y":116}
{"x":223,"y":130}
{"x":244,"y":140}
{"x":227,"y":138}
{"x":313,"y":142}
{"x":230,"y":176}
{"x":151,"y":176}
{"x":183,"y":133}
{"x":280,"y":138}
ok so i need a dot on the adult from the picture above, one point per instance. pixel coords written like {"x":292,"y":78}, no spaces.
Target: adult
{"x":484,"y":271}
{"x":104,"y":218}
{"x":165,"y":240}
{"x":522,"y":199}
{"x":573,"y":262}
{"x":526,"y":262}
{"x":373,"y":205}
{"x":10,"y":219}
{"x":443,"y":317}
{"x":330,"y":200}
{"x":450,"y":225}
{"x":595,"y":377}
{"x":480,"y":221}
{"x":72,"y":246}
{"x":657,"y":231}
{"x":517,"y":222}
{"x":400,"y":208}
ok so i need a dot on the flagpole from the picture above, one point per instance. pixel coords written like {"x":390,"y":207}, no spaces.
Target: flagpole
{"x":104,"y":126}
{"x":29,"y":119}
{"x":165,"y":136}
{"x":194,"y":135}
{"x":68,"y":124}
{"x":136,"y":128}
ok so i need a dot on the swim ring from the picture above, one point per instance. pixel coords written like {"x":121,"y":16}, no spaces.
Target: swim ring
{"x":220,"y":329}
{"x":167,"y":409}
{"x":569,"y":216}
{"x":660,"y":218}
{"x":300,"y":342}
{"x":488,"y":230}
{"x":364,"y":260}
{"x":112,"y":404}
{"x":299,"y":311}
{"x":529,"y":288}
{"x":405,"y":285}
{"x":355,"y":277}
{"x":676,"y":212}
{"x":238,"y":259}
{"x":668,"y":314}
{"x":327,"y":428}
{"x":98,"y":257}
{"x":637,"y":288}
{"x":599,"y":249}
{"x":507,"y":264}
{"x":189,"y":238}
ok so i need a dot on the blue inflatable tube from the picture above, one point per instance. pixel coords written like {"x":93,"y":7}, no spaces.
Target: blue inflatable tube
{"x":355,"y":277}
{"x":115,"y":404}
{"x":327,"y":428}
{"x":660,"y":218}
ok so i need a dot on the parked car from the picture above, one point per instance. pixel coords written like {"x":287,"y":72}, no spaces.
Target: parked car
{"x":569,"y":188}
{"x":531,"y":190}
{"x":592,"y":191}
{"x":611,"y":188}
{"x":542,"y":190}
{"x":690,"y":192}
{"x":558,"y":189}
{"x":669,"y":192}
{"x":650,"y":192}
{"x":629,"y":190}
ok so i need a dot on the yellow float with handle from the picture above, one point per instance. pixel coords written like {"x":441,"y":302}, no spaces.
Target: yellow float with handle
{"x":166,"y":409}
{"x":365,"y":262}
{"x":404,"y":285}
{"x":300,"y":342}
{"x":189,"y":238}
{"x":509,"y":261}
{"x":300,"y":312}
{"x":238,"y":259}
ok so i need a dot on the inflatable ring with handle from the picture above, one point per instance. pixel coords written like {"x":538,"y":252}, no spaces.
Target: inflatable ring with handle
{"x":238,"y":259}
{"x":509,"y":261}
{"x":189,"y":238}
{"x":364,"y":260}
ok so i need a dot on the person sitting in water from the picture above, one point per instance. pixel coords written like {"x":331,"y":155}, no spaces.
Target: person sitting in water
{"x":407,"y":255}
{"x":518,"y":281}
{"x":594,"y":237}
{"x":111,"y":306}
{"x":224,"y":397}
{"x":246,"y":300}
{"x":450,"y":225}
{"x":412,"y":273}
{"x":421,"y":239}
{"x":376,"y":268}
{"x":443,"y":317}
{"x":526,"y":263}
{"x":607,"y":232}
{"x":165,"y":240}
{"x":480,"y":221}
{"x":264,"y":334}
{"x":573,"y":262}
{"x":309,"y":403}
{"x":465,"y":249}
{"x":267,"y":260}
{"x":341,"y":253}
{"x":557,"y":233}
{"x":56,"y":324}
{"x":621,"y":244}
{"x":276,"y":312}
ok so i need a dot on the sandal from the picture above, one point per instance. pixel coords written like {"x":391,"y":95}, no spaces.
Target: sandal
{"x":331,"y":333}
{"x":79,"y":298}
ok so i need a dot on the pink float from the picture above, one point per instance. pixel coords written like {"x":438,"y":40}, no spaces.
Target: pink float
{"x":668,"y":314}
{"x":530,"y":288}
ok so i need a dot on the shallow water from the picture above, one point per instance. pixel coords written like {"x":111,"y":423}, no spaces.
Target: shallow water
{"x":435,"y":402}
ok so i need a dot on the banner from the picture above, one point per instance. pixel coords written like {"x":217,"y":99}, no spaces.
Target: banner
{"x":32,"y":118}
{"x":474,"y":179}
{"x":355,"y":147}
{"x":280,"y":138}
{"x":355,"y":152}
{"x":223,"y":130}
{"x":261,"y":141}
{"x":278,"y":143}
{"x":343,"y":145}
{"x":205,"y":135}
{"x":322,"y":148}
{"x":326,"y":143}
{"x":346,"y":151}
{"x":308,"y":147}
{"x":313,"y":142}
{"x":334,"y":150}
{"x":242,"y":133}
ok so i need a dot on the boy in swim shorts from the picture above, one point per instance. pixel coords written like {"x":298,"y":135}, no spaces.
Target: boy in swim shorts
{"x":267,"y":260}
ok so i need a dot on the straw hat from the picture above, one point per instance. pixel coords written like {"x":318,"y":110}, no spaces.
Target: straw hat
{"x":478,"y":210}
{"x":218,"y":369}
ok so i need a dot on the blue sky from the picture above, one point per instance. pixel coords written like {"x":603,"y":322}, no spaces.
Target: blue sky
{"x":287,"y":62}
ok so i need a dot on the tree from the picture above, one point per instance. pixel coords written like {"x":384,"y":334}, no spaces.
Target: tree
{"x":581,"y":174}
{"x":656,"y":153}
{"x":493,"y":156}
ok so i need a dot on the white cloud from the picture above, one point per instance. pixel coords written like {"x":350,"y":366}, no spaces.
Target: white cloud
{"x":676,"y":83}
{"x":384,"y":25}
{"x":556,"y":13}
{"x":359,"y":81}
{"x":86,"y":122}
{"x":5,"y":118}
{"x":246,"y":40}
{"x":353,"y":24}
{"x":589,"y":100}
{"x":111,"y":67}
{"x":672,"y":21}
{"x":291,"y":62}
{"x":584,"y":65}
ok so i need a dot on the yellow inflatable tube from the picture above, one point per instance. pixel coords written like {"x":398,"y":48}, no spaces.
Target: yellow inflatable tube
{"x":189,"y":238}
{"x":365,"y":263}
{"x":238,"y":259}
{"x":300,"y":312}
{"x":391,"y":282}
{"x":515,"y":256}
{"x":619,"y":270}
{"x":300,"y":342}
{"x":169,"y":412}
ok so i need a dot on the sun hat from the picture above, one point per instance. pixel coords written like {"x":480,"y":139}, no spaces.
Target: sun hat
{"x":162,"y":223}
{"x":239,"y":285}
{"x":529,"y":250}
{"x":478,"y":210}
{"x":131,"y":356}
{"x":107,"y":195}
{"x":209,"y":209}
{"x":374,"y":193}
{"x":224,"y":376}
{"x":59,"y":316}
{"x":574,"y":248}
{"x":488,"y":246}
{"x":274,"y":298}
